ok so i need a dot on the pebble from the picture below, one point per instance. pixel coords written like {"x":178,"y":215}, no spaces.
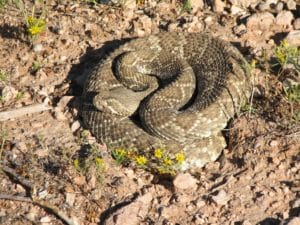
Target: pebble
{"x":240,"y":30}
{"x":70,"y":198}
{"x":59,"y":115}
{"x":279,"y":7}
{"x":284,"y":19}
{"x":131,"y":213}
{"x":196,"y":5}
{"x":8,"y":93}
{"x":291,"y":5}
{"x":208,"y":20}
{"x":200,"y":203}
{"x":262,"y":21}
{"x":294,"y":37}
{"x":130,"y":4}
{"x":246,"y":222}
{"x":296,"y":24}
{"x":237,"y":10}
{"x":185,"y":181}
{"x":46,"y":219}
{"x":218,"y":5}
{"x":221,"y":198}
{"x":264,"y":6}
{"x":75,"y":126}
{"x":274,"y":143}
{"x":243,"y":3}
{"x":37,"y":47}
{"x":294,"y":221}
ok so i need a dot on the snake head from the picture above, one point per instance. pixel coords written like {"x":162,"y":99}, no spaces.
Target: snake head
{"x":119,"y":101}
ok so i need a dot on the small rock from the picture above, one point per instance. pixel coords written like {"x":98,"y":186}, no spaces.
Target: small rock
{"x":168,"y":212}
{"x":274,"y":143}
{"x":236,"y":10}
{"x":132,"y":213}
{"x":244,"y":3}
{"x":173,"y":27}
{"x":279,"y":7}
{"x":195,"y":26}
{"x":291,"y":5}
{"x":2,"y":213}
{"x":261,"y":21}
{"x":208,"y":20}
{"x":146,"y":23}
{"x":75,"y":126}
{"x":70,"y":198}
{"x":297,"y":24}
{"x":294,"y":37}
{"x":296,"y":203}
{"x":196,"y":5}
{"x":284,"y":19}
{"x":240,"y":30}
{"x":59,"y":115}
{"x":246,"y":222}
{"x":130,"y":4}
{"x":200,"y":203}
{"x":185,"y":181}
{"x":221,"y":198}
{"x":63,"y":102}
{"x":218,"y":5}
{"x":294,"y":221}
{"x":37,"y":47}
{"x":45,"y":219}
{"x":42,"y":193}
{"x":8,"y":93}
{"x":264,"y":6}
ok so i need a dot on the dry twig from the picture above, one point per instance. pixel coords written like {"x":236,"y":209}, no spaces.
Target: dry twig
{"x":14,"y":113}
{"x":27,"y":184}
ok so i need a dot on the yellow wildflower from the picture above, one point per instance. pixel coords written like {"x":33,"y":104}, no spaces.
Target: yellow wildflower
{"x":158,"y":153}
{"x":180,"y":157}
{"x":141,"y":160}
{"x":99,"y":161}
{"x":120,"y":152}
{"x":35,"y":25}
{"x":168,"y":161}
{"x":76,"y":164}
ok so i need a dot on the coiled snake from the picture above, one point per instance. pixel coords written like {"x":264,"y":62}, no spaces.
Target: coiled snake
{"x":175,"y":91}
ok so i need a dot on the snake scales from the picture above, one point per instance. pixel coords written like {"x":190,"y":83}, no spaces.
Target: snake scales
{"x":175,"y":91}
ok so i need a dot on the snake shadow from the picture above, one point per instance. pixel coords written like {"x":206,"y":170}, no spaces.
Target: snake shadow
{"x":88,"y":61}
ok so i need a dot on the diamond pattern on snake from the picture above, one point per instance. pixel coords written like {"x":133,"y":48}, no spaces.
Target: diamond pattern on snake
{"x":175,"y":91}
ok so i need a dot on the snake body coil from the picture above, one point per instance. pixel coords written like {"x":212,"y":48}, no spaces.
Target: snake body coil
{"x":171,"y":90}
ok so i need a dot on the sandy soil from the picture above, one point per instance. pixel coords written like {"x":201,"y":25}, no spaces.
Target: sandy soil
{"x":255,"y":181}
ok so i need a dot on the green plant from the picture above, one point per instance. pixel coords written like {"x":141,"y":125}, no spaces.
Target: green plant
{"x":287,"y":54}
{"x":93,"y":162}
{"x":120,"y":155}
{"x":3,"y":138}
{"x":19,"y":95}
{"x":36,"y":66}
{"x":186,"y":6}
{"x":293,"y":93}
{"x":3,"y":76}
{"x":2,"y":3}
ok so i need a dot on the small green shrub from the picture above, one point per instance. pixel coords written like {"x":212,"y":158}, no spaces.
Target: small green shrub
{"x":287,"y":54}
{"x":186,"y":6}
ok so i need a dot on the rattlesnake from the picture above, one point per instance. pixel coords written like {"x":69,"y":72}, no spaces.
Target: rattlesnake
{"x":175,"y":91}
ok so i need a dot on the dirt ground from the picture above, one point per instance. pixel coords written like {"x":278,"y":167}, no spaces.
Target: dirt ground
{"x":49,"y":174}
